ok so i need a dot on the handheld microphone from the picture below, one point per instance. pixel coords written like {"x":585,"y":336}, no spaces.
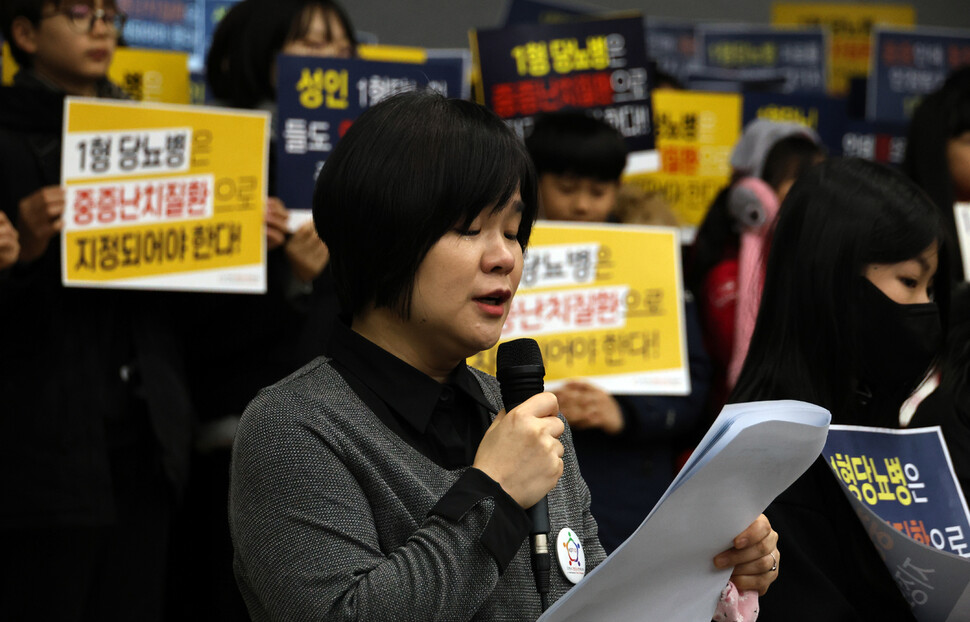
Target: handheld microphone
{"x":520,"y":374}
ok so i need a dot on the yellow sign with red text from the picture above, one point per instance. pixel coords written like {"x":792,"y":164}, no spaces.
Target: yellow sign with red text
{"x":605,"y":303}
{"x":850,"y":26}
{"x":163,"y":197}
{"x":695,"y":133}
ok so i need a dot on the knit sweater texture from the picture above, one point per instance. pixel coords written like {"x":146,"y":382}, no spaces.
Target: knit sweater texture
{"x":329,"y":514}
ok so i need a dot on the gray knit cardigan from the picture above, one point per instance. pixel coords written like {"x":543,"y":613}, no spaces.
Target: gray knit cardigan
{"x":329,"y":516}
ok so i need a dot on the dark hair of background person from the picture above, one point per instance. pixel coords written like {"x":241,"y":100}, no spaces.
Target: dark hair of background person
{"x":956,"y":351}
{"x":241,"y":60}
{"x":32,"y":10}
{"x":787,"y":159}
{"x":11,"y":10}
{"x":838,"y":217}
{"x":665,"y":80}
{"x":406,"y":172}
{"x":942,"y":115}
{"x":571,"y":142}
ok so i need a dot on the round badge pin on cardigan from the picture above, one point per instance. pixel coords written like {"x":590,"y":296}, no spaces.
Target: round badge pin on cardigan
{"x":572,"y":556}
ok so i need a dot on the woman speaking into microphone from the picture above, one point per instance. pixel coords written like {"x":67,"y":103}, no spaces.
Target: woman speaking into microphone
{"x":384,"y":481}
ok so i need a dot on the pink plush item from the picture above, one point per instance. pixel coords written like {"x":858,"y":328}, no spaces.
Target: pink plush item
{"x":735,"y":606}
{"x":751,"y":272}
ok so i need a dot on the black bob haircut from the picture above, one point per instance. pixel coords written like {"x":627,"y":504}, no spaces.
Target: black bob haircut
{"x":407,"y":171}
{"x":571,"y":142}
{"x":239,"y":67}
{"x":839,"y":217}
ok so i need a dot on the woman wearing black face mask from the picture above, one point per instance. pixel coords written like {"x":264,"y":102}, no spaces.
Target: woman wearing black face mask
{"x":849,"y":320}
{"x":899,"y":334}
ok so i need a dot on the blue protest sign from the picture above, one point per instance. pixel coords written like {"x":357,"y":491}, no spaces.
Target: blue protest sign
{"x":743,"y":52}
{"x":598,"y":65}
{"x":161,"y":24}
{"x":826,"y":115}
{"x":319,"y":98}
{"x":882,"y":142}
{"x":671,"y":44}
{"x":908,"y":64}
{"x":906,"y":478}
{"x":901,"y":485}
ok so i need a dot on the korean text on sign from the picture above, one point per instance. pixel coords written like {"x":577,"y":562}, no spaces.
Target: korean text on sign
{"x":163,"y":197}
{"x":598,"y":65}
{"x":604,"y":304}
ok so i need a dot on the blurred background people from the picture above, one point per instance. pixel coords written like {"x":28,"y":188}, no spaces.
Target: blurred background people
{"x":93,"y":390}
{"x":240,"y":342}
{"x":938,"y":159}
{"x":626,"y":444}
{"x":726,"y":267}
{"x":938,"y":152}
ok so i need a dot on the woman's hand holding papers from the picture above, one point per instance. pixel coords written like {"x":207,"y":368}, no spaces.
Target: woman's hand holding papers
{"x":754,"y":556}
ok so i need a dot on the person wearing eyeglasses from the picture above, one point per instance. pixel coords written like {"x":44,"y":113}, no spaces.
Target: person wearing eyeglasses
{"x":93,"y":401}
{"x":67,"y":49}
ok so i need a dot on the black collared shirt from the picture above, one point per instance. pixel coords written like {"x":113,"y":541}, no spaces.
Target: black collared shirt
{"x":445,"y":422}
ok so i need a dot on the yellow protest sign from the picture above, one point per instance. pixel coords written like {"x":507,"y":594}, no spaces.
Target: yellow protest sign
{"x":695,"y":133}
{"x":152,"y":75}
{"x":392,"y":53}
{"x":850,"y":25}
{"x":159,"y":196}
{"x":605,"y":303}
{"x":146,"y":75}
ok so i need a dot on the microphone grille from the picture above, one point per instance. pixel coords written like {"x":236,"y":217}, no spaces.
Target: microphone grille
{"x":518,"y":352}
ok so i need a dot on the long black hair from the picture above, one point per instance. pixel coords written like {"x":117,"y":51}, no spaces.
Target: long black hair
{"x":239,"y":67}
{"x":942,"y":115}
{"x":838,"y":217}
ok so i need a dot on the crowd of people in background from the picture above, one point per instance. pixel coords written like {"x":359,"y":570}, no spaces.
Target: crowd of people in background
{"x":834,"y":281}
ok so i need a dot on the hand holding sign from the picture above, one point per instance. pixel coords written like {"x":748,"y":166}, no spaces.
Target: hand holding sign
{"x":276,"y":223}
{"x":588,"y":407}
{"x":307,"y":253}
{"x":9,"y":244}
{"x":40,"y":220}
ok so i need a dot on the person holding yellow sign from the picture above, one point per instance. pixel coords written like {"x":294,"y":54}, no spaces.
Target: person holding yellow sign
{"x":93,"y":396}
{"x":626,"y":445}
{"x":261,"y":338}
{"x":622,"y":441}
